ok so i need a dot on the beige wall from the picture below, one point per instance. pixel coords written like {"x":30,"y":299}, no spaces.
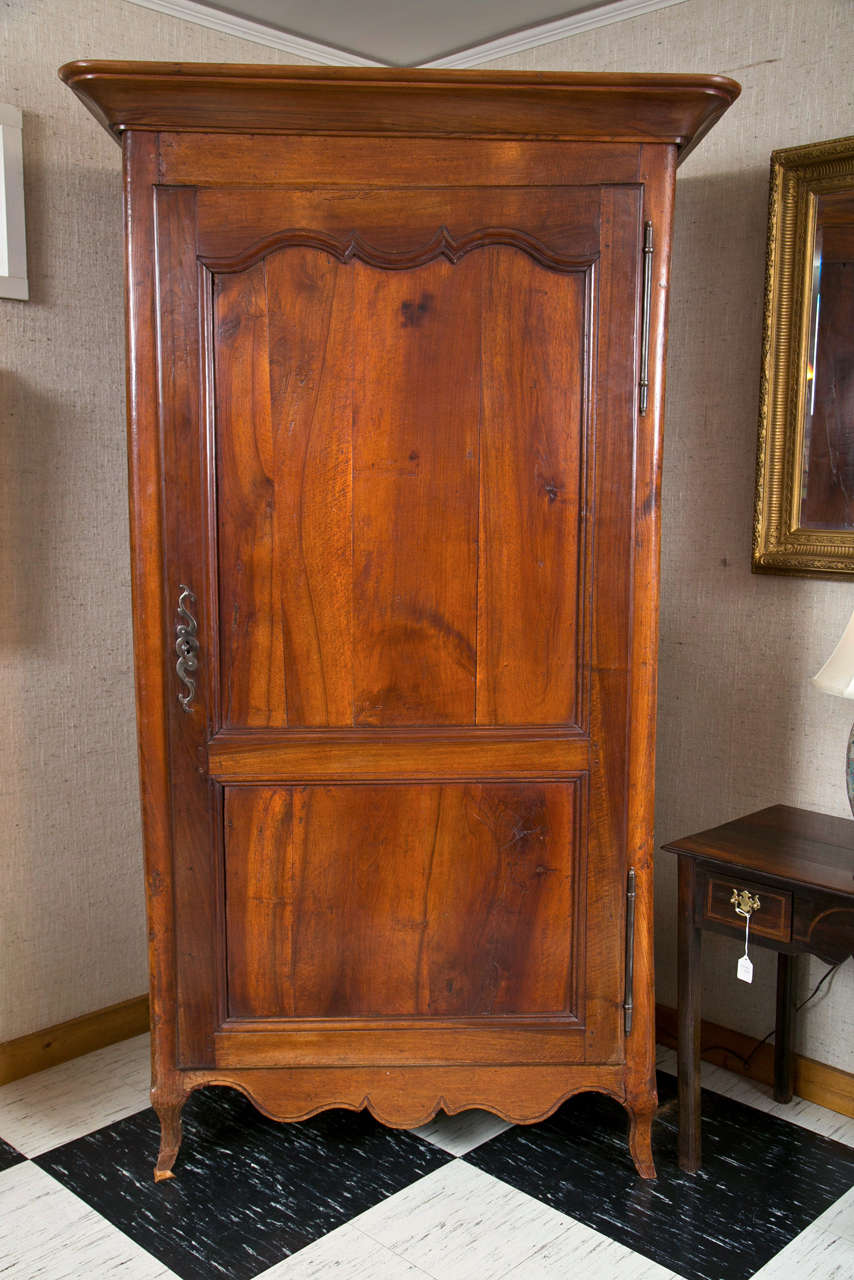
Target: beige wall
{"x":739,"y":725}
{"x":72,"y":931}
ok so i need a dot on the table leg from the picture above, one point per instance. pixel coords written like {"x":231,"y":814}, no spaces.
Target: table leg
{"x":690,"y":939}
{"x":784,"y":1069}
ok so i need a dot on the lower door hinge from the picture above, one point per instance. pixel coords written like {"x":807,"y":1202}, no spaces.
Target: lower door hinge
{"x":630,"y":948}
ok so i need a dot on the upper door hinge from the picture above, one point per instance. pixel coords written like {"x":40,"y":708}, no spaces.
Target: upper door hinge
{"x":648,"y":244}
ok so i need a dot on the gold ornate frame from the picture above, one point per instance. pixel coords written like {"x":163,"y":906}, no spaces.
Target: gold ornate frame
{"x":799,"y":175}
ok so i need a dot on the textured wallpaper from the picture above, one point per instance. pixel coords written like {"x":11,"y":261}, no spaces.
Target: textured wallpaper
{"x":739,"y":726}
{"x":72,"y":920}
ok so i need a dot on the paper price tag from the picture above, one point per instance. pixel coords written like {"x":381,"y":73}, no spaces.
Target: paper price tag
{"x":745,"y":966}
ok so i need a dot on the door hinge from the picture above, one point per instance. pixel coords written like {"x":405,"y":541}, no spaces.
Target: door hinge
{"x":643,"y":390}
{"x":630,"y":949}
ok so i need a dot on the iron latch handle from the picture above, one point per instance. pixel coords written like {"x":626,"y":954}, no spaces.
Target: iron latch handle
{"x":186,"y":646}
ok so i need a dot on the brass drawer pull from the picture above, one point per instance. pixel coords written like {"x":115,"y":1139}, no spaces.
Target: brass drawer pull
{"x":744,"y":904}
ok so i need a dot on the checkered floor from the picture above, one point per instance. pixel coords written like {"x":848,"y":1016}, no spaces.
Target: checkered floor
{"x":464,"y":1198}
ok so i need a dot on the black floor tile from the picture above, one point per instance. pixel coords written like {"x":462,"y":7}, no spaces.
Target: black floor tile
{"x":763,"y":1180}
{"x":248,"y":1191}
{"x":9,"y":1156}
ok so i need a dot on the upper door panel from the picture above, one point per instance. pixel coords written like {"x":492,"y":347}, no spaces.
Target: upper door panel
{"x":401,"y":446}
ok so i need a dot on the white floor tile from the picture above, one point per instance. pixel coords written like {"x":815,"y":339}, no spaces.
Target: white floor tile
{"x":838,"y":1220}
{"x":47,"y":1233}
{"x":345,"y":1254}
{"x":459,"y":1222}
{"x":51,"y":1107}
{"x":581,"y":1251}
{"x":462,"y":1133}
{"x":813,"y":1255}
{"x":830,"y":1124}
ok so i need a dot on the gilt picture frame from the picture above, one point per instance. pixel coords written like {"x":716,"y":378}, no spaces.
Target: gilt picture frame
{"x":804,"y":512}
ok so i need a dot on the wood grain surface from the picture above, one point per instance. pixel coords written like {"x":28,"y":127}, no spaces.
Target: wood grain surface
{"x":384,"y":336}
{"x":673,"y":109}
{"x":338,"y":604}
{"x":402,"y":901}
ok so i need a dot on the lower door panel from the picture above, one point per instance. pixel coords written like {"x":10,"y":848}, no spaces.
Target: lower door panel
{"x":404,"y":922}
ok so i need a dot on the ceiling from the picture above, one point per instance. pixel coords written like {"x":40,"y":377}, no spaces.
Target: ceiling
{"x":403,"y":32}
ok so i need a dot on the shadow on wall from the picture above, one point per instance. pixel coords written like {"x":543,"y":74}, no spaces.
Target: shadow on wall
{"x":716,"y":647}
{"x":31,"y":492}
{"x":74,"y":227}
{"x":62,"y":431}
{"x":69,"y":813}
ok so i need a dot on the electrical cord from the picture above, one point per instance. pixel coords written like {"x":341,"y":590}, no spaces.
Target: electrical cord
{"x":746,"y":1060}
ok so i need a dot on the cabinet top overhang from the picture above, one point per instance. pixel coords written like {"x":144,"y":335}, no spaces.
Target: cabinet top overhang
{"x":364,"y":101}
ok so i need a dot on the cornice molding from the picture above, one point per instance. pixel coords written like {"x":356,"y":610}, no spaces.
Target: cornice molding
{"x":399,"y":101}
{"x":326,"y":55}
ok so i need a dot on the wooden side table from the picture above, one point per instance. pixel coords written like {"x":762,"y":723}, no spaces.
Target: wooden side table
{"x":800,"y":865}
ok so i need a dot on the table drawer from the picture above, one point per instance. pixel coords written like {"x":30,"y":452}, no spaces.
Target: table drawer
{"x":771,"y":919}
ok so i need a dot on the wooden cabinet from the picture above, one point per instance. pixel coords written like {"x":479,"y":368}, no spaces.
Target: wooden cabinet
{"x":395,"y":345}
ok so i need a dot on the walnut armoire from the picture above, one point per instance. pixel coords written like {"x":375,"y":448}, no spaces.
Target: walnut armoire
{"x":396,"y":350}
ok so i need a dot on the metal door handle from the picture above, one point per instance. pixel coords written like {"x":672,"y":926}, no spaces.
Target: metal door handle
{"x":186,"y":646}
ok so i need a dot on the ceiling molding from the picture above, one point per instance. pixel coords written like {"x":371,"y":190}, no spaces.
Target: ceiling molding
{"x":548,"y":32}
{"x":327,"y":55}
{"x":257,"y":33}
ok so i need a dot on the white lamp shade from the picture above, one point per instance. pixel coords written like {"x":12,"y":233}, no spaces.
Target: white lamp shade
{"x":837,"y":674}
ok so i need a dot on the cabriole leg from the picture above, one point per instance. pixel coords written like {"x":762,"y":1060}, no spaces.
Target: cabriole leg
{"x":640,"y":1139}
{"x":169,"y":1114}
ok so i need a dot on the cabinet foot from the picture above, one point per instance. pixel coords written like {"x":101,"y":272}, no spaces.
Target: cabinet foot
{"x":169,"y":1115}
{"x":640,"y":1140}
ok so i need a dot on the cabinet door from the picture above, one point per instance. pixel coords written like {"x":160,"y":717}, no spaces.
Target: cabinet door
{"x":398,"y":438}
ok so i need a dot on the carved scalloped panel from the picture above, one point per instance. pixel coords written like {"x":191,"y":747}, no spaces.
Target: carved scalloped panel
{"x":406,"y":1097}
{"x":394,"y":223}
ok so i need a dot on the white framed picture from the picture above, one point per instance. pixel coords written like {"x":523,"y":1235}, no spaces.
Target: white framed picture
{"x":13,"y":247}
